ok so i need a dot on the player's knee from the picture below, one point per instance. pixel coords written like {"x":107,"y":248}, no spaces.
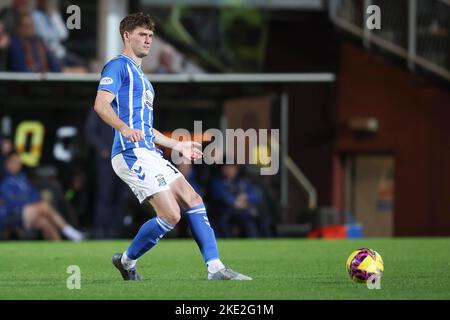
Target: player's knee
{"x":43,"y":212}
{"x":43,"y":207}
{"x":39,"y":223}
{"x":173,"y":218}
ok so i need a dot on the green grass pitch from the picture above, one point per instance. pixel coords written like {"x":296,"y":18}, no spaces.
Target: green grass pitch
{"x":281,"y":268}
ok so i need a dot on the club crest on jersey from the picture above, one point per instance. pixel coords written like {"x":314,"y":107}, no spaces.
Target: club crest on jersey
{"x":106,"y":80}
{"x":160,"y":179}
{"x":148,"y":98}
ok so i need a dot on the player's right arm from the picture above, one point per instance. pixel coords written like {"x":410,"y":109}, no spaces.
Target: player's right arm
{"x":104,"y":109}
{"x":112,"y":78}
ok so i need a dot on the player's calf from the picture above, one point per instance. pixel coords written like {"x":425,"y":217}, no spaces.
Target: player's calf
{"x":191,"y":200}
{"x":184,"y":194}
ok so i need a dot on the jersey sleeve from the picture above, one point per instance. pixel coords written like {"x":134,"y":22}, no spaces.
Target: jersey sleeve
{"x":112,"y":77}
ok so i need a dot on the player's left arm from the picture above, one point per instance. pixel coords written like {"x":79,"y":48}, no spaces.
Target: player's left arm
{"x":189,"y":149}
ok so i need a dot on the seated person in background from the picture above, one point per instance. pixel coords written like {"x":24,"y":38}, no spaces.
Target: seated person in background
{"x":51,"y":28}
{"x":24,"y":208}
{"x":11,"y":15}
{"x":6,"y":146}
{"x":4,"y":45}
{"x":165,"y":59}
{"x":236,"y":200}
{"x":27,"y":53}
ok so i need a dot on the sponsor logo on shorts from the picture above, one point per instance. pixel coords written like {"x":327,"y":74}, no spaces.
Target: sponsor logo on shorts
{"x":160,"y":179}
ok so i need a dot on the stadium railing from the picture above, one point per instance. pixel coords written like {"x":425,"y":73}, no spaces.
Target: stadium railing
{"x":416,"y":31}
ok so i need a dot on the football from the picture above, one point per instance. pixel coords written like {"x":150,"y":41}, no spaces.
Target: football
{"x":364,"y":264}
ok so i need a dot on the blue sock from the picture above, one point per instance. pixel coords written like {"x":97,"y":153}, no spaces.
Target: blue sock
{"x":148,"y":235}
{"x":202,"y":232}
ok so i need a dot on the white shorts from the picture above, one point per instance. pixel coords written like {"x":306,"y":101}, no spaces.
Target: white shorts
{"x":145,"y":171}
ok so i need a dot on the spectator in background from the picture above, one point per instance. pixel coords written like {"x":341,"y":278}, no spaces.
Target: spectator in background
{"x":51,"y":28}
{"x":111,"y":192}
{"x":24,"y":208}
{"x":11,"y":15}
{"x":4,"y":45}
{"x":236,"y":200}
{"x":28,"y":53}
{"x":165,"y":60}
{"x":6,"y":146}
{"x":191,"y":176}
{"x":268,"y":208}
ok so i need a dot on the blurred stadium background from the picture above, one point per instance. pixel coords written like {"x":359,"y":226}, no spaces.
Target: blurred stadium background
{"x":363,"y":115}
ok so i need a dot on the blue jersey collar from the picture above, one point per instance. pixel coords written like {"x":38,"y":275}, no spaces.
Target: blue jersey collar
{"x":129,"y":58}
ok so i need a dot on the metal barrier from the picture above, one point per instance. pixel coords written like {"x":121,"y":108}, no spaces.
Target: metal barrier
{"x":416,"y":30}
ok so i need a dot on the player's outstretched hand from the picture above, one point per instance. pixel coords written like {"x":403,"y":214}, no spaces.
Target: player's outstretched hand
{"x":132,"y":134}
{"x":189,"y":149}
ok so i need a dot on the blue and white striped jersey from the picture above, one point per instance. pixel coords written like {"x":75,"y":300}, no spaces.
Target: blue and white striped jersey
{"x":133,"y":102}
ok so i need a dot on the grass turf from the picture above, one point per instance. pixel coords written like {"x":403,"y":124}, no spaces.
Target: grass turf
{"x":281,"y":269}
